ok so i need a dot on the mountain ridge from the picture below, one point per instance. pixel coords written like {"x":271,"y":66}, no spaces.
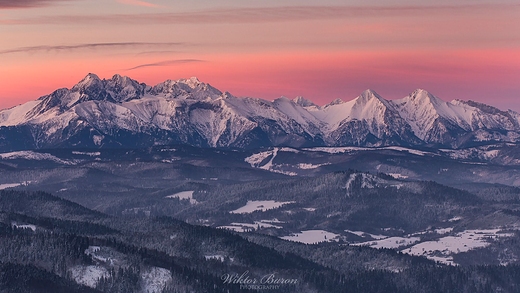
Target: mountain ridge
{"x":121,"y":112}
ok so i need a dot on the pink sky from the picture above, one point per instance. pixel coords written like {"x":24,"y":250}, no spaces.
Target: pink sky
{"x":322,"y":50}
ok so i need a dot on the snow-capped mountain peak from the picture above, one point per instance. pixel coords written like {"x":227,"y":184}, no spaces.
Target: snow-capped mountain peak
{"x":370,"y":96}
{"x":88,"y":81}
{"x":193,"y":82}
{"x":370,"y":105}
{"x":423,"y":111}
{"x":421,"y":100}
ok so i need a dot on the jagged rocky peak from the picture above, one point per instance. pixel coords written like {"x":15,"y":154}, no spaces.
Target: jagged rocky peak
{"x":335,"y":102}
{"x":303,"y":102}
{"x":88,"y":81}
{"x":121,"y":81}
{"x":86,"y":89}
{"x":282,"y":99}
{"x":193,"y":82}
{"x":481,"y":106}
{"x":123,"y":88}
{"x":420,"y":105}
{"x":191,"y":88}
{"x":57,"y":99}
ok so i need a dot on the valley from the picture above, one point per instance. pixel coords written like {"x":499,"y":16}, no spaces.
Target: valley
{"x":405,"y":211}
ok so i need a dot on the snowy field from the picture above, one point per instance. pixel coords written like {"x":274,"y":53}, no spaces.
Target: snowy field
{"x":12,"y":185}
{"x":443,"y":249}
{"x":184,"y":195}
{"x":30,"y":155}
{"x":259,"y":205}
{"x":9,"y":185}
{"x":312,"y":236}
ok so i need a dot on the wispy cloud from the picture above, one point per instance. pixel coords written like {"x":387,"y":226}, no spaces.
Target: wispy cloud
{"x":166,"y":63}
{"x":161,"y":52}
{"x":266,"y":14}
{"x":9,"y":4}
{"x":137,"y":3}
{"x":94,"y":46}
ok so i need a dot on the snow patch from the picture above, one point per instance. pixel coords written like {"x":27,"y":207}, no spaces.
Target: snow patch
{"x":184,"y":195}
{"x":259,"y":205}
{"x":411,"y":151}
{"x":235,"y":228}
{"x":155,"y":279}
{"x":12,"y":185}
{"x":216,"y":257}
{"x":443,"y":230}
{"x":88,"y":275}
{"x":256,"y":160}
{"x":337,"y":150}
{"x":398,"y":176}
{"x":455,"y":219}
{"x":391,"y":242}
{"x":23,"y":226}
{"x":91,"y":154}
{"x":312,"y":237}
{"x":275,"y":221}
{"x":30,"y":155}
{"x":97,"y":139}
{"x":306,"y":166}
{"x":340,"y":150}
{"x":365,"y":234}
{"x":9,"y":185}
{"x":169,"y":161}
{"x":289,"y":150}
{"x":246,"y":227}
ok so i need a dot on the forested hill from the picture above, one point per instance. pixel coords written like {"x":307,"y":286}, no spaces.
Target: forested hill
{"x":73,"y":249}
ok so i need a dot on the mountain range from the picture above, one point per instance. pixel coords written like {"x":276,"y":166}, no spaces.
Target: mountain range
{"x":121,"y":112}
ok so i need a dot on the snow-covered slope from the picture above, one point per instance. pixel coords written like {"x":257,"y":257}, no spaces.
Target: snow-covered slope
{"x":121,"y":112}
